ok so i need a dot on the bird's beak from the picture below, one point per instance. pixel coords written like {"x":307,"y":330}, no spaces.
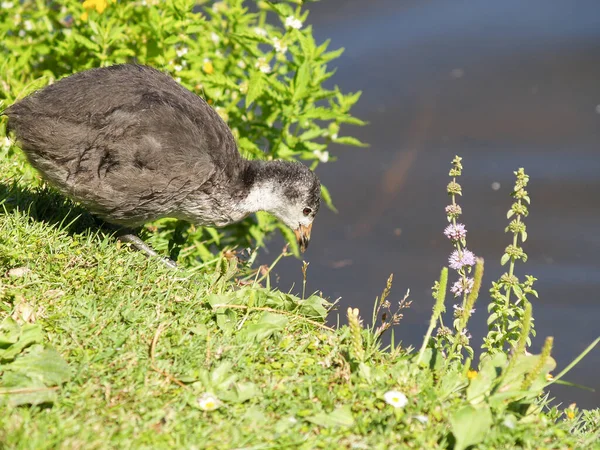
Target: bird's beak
{"x":303,"y":236}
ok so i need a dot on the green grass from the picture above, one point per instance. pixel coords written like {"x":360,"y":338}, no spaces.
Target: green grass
{"x":143,"y":343}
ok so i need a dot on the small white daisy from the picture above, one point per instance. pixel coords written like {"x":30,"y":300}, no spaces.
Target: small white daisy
{"x":208,"y":402}
{"x":178,"y":68}
{"x":22,"y":33}
{"x":292,"y":22}
{"x":395,"y":398}
{"x":214,"y":37}
{"x":260,"y":31}
{"x":181,"y":51}
{"x":28,"y":25}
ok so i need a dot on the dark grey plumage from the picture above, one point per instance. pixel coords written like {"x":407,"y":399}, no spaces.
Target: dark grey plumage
{"x":132,"y":145}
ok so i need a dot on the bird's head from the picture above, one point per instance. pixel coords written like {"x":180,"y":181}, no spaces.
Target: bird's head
{"x":291,"y":192}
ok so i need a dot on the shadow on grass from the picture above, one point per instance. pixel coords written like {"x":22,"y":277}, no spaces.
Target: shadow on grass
{"x":50,"y":207}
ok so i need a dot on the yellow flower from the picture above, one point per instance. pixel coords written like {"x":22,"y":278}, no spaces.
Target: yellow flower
{"x":98,"y":5}
{"x":207,"y":67}
{"x":84,"y":16}
{"x":471,"y":374}
{"x":570,"y":411}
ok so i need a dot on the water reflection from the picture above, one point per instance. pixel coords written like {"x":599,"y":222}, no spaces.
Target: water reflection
{"x":505,"y":85}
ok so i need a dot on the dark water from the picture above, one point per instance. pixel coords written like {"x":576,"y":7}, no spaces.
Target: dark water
{"x":505,"y":85}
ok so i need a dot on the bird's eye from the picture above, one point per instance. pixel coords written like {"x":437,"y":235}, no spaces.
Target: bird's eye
{"x":307,"y":211}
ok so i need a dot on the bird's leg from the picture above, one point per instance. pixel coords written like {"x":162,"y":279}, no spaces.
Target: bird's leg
{"x":140,"y":245}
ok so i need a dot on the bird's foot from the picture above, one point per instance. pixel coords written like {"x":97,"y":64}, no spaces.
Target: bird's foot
{"x":145,"y":248}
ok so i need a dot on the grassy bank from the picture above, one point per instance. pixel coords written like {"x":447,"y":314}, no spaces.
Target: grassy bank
{"x":209,"y":358}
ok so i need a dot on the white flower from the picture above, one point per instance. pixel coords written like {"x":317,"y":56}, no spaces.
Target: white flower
{"x":7,"y":5}
{"x":395,"y":398}
{"x":22,"y":33}
{"x":241,"y":64}
{"x":208,"y":402}
{"x":5,"y":143}
{"x":214,"y":37}
{"x":279,"y":46}
{"x":322,"y":156}
{"x":260,"y":31}
{"x":178,"y":68}
{"x":181,"y":51}
{"x":28,"y":25}
{"x":292,"y":22}
{"x":263,"y":65}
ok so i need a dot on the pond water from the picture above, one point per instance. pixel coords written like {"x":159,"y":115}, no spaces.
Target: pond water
{"x":503,"y":84}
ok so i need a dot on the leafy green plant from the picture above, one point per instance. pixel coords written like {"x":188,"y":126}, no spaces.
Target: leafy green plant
{"x":259,"y":67}
{"x":29,"y":370}
{"x":504,"y":389}
{"x":506,"y":315}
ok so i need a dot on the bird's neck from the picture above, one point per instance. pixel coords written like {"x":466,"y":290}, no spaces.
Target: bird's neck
{"x":261,"y":191}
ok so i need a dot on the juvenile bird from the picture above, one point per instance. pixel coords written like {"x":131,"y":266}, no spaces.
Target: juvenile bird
{"x":132,"y":145}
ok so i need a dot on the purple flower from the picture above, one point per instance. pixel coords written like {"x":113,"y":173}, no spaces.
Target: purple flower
{"x":463,"y":285}
{"x":453,"y":210}
{"x":455,"y":232}
{"x":458,"y":259}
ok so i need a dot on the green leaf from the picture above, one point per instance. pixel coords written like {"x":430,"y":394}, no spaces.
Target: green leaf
{"x":326,"y":196}
{"x":29,"y":334}
{"x":313,"y":307}
{"x":21,"y":389}
{"x":256,"y":86}
{"x":196,"y":28}
{"x":307,"y":44}
{"x":240,"y":393}
{"x":333,"y":54}
{"x":9,"y":332}
{"x":42,"y":363}
{"x":340,"y":417}
{"x":87,"y":43}
{"x":504,"y":259}
{"x":268,"y":324}
{"x":320,"y":113}
{"x":470,"y":425}
{"x":348,"y":140}
{"x":301,"y":81}
{"x":290,"y":237}
{"x":214,"y":234}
